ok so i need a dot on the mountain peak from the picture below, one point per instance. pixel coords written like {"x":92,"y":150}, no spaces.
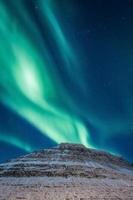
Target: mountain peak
{"x":71,"y":146}
{"x":64,"y":160}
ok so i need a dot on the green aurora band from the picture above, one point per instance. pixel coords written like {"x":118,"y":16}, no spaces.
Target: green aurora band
{"x":16,"y":142}
{"x":28,"y":81}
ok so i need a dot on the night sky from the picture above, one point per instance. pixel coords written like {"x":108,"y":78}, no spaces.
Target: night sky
{"x":66,"y":75}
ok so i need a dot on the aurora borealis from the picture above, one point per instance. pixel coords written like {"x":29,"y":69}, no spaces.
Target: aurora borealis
{"x":66,"y":75}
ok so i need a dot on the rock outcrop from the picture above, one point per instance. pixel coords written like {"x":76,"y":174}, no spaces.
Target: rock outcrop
{"x":68,"y":160}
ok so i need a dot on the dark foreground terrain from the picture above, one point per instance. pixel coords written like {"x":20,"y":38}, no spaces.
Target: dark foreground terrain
{"x":66,"y":172}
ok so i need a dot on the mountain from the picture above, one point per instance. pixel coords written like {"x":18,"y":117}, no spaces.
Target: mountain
{"x":68,"y":164}
{"x":67,"y":160}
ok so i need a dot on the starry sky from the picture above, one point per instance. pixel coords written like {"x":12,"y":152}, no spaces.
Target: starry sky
{"x":66,"y":75}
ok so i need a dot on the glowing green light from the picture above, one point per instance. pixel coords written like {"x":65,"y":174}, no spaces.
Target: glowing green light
{"x":16,"y":142}
{"x":29,"y":87}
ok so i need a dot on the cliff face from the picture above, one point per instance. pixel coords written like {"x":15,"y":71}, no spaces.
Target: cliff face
{"x":68,"y":160}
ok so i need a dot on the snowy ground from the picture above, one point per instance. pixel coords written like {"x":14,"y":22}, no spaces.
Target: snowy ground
{"x":57,"y":188}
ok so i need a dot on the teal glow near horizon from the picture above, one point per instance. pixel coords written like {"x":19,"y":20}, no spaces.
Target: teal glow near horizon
{"x":16,"y":142}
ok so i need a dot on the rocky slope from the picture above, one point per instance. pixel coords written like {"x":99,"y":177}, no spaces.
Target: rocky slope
{"x":66,"y":172}
{"x":68,"y":160}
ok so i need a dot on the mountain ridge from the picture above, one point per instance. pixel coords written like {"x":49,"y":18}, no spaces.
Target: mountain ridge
{"x":66,"y":160}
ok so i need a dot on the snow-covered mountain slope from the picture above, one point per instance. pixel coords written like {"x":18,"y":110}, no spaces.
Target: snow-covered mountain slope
{"x":68,"y":160}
